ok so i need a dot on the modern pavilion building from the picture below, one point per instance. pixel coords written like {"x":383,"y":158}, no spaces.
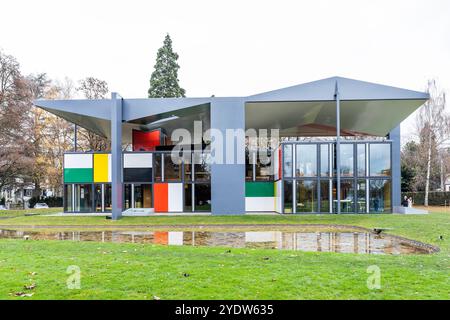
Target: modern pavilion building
{"x":337,"y":151}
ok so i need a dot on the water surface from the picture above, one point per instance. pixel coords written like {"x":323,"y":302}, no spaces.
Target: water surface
{"x":340,"y":242}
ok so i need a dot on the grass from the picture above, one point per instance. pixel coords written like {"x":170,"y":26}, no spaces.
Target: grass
{"x":136,"y":271}
{"x":22,"y":213}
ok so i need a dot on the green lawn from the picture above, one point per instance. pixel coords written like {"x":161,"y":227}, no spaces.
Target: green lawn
{"x":136,"y":271}
{"x":21,"y":213}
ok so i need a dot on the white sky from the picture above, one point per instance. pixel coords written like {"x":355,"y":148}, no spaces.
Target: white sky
{"x":232,"y":48}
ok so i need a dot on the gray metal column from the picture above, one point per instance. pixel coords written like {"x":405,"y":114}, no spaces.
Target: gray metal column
{"x":228,"y":180}
{"x":394,"y":135}
{"x":338,"y":148}
{"x":116,"y":156}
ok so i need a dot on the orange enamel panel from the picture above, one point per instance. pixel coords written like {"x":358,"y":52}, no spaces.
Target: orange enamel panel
{"x":161,"y":197}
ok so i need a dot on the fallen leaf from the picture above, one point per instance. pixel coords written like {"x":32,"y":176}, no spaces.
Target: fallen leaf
{"x":30,"y":287}
{"x":23,"y":294}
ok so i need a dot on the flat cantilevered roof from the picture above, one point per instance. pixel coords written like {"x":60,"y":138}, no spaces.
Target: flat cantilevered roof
{"x":302,"y":110}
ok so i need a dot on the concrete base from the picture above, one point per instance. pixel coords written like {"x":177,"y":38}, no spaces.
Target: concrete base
{"x":406,"y":210}
{"x":138,"y":211}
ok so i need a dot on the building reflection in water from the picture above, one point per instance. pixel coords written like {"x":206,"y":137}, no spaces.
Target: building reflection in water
{"x":341,"y":242}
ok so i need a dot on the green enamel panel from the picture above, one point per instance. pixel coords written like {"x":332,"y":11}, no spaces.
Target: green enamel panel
{"x":78,"y":175}
{"x":259,"y":189}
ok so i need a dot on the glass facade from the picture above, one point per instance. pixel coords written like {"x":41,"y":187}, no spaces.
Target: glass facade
{"x":288,"y":197}
{"x":287,"y":160}
{"x":306,"y":197}
{"x":202,"y":197}
{"x":324,"y":160}
{"x":324,"y":196}
{"x":380,"y":160}
{"x":68,"y":198}
{"x":172,"y":170}
{"x":308,"y":171}
{"x":365,"y":177}
{"x":83,"y":198}
{"x":361,"y":193}
{"x":306,"y":160}
{"x":263,"y":166}
{"x":361,"y":159}
{"x":347,"y":160}
{"x":380,"y":195}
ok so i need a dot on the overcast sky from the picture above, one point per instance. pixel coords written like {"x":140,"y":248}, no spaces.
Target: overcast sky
{"x":232,"y":48}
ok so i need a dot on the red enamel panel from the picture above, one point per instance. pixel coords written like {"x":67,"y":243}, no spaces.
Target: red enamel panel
{"x":146,"y":141}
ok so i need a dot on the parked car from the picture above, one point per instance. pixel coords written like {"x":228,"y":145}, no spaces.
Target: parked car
{"x":2,"y":207}
{"x":41,"y":205}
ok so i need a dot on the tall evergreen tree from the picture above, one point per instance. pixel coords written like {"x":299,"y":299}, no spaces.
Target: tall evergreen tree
{"x":164,"y":81}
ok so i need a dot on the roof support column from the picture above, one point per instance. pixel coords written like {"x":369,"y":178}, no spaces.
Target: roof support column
{"x":116,"y":156}
{"x":394,"y":135}
{"x":338,"y":148}
{"x":228,"y":173}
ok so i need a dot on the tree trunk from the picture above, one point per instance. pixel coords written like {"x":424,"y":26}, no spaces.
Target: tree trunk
{"x":442,"y":172}
{"x":37,"y":189}
{"x":427,"y":182}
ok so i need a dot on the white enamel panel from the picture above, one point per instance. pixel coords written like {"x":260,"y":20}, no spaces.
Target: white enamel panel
{"x":175,"y":197}
{"x":80,"y":161}
{"x":137,"y":160}
{"x":260,"y":204}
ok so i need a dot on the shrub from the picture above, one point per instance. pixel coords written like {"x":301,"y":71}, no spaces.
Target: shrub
{"x":52,"y":202}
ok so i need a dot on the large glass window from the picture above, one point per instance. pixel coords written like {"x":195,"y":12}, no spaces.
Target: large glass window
{"x":380,"y":159}
{"x":325,"y":196}
{"x":187,"y":197}
{"x":188,"y":168}
{"x":288,"y":200}
{"x":202,"y":166}
{"x":127,"y":196}
{"x":287,"y":161}
{"x":249,"y":165}
{"x":380,"y":196}
{"x":108,"y":199}
{"x":143,"y":196}
{"x":138,"y":197}
{"x":157,"y":166}
{"x":83,"y":198}
{"x":361,"y":160}
{"x":68,"y":205}
{"x":263,"y":166}
{"x":202,"y":197}
{"x":346,"y":160}
{"x":325,"y":160}
{"x":306,"y":196}
{"x":347,"y":196}
{"x":172,"y":170}
{"x":98,"y":195}
{"x":306,"y":160}
{"x":361,"y":196}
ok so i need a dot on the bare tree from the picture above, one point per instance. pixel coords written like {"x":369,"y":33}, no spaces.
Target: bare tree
{"x":432,"y":125}
{"x":14,"y":98}
{"x":93,"y":88}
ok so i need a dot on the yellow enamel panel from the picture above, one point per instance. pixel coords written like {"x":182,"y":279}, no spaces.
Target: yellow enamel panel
{"x":101,"y":168}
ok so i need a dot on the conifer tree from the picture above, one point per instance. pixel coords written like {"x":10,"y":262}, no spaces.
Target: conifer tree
{"x":164,"y":81}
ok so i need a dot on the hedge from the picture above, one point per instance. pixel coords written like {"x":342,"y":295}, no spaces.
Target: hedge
{"x":50,"y":201}
{"x":435,"y":198}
